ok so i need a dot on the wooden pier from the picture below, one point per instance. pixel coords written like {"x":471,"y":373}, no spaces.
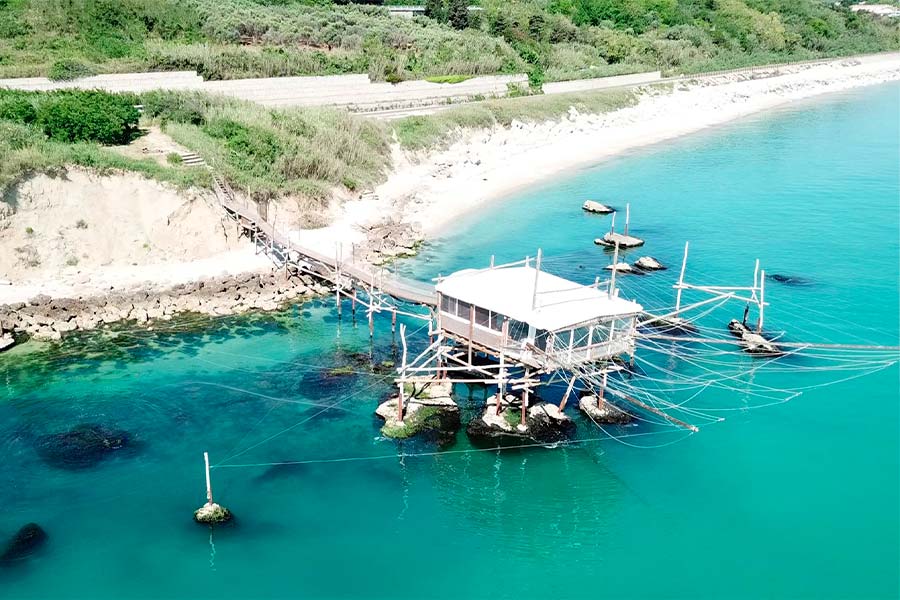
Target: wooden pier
{"x":347,"y":277}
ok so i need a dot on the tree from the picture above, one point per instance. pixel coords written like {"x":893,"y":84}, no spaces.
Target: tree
{"x":458,"y":14}
{"x":434,"y":9}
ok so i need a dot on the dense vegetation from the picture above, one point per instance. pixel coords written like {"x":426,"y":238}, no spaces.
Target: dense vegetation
{"x":263,"y":152}
{"x":551,"y":39}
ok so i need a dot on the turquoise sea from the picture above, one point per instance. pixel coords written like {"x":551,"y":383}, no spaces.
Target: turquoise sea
{"x":798,"y":499}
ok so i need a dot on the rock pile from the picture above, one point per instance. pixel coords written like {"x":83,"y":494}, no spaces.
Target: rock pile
{"x":544,"y":423}
{"x":390,"y":240}
{"x":428,"y":407}
{"x":603,"y":412}
{"x":49,"y":318}
{"x":592,"y":206}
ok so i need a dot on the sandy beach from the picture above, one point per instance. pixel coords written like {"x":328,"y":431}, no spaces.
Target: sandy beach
{"x":433,"y":190}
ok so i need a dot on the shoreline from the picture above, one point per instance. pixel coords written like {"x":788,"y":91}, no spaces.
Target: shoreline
{"x":426,"y":193}
{"x":485,"y":167}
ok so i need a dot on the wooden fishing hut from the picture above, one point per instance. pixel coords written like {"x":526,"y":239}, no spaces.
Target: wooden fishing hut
{"x":526,"y":323}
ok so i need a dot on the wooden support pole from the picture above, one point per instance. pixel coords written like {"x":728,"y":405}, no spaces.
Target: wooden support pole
{"x":402,"y":372}
{"x":492,"y":261}
{"x":627,"y":216}
{"x":337,"y":280}
{"x":537,"y":273}
{"x":371,"y":322}
{"x":612,"y":225}
{"x":209,"y":496}
{"x":471,"y":329}
{"x":681,"y":280}
{"x":393,"y":320}
{"x":602,"y":392}
{"x":501,"y":388}
{"x":353,"y":304}
{"x":565,"y":398}
{"x":524,"y":402}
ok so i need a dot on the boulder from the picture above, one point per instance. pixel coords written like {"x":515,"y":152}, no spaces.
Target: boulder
{"x":788,"y":279}
{"x":544,"y":423}
{"x":648,"y":263}
{"x":212,"y":514}
{"x":428,"y":409}
{"x":81,"y":447}
{"x":621,"y":267}
{"x":752,"y":342}
{"x":592,"y":206}
{"x":28,"y":540}
{"x":624,"y":241}
{"x":603,"y":412}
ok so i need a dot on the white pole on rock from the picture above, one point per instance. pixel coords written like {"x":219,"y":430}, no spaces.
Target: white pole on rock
{"x":762,"y":300}
{"x":612,"y":226}
{"x":209,"y":497}
{"x":681,"y":279}
{"x":627,"y":216}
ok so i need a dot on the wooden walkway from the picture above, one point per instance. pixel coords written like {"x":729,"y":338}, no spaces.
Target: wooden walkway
{"x":346,"y":276}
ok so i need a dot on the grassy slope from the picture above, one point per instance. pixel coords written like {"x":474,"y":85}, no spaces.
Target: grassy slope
{"x":305,"y":152}
{"x":552,"y":39}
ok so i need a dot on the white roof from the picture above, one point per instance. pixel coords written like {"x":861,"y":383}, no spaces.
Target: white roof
{"x":509,"y":291}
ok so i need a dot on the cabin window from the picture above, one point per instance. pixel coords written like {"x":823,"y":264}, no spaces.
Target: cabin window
{"x":540,"y":339}
{"x":482,"y":317}
{"x":561,"y":340}
{"x":518,"y":330}
{"x":448,"y":305}
{"x":601,"y":334}
{"x":581,"y":337}
{"x":462,"y":310}
{"x":496,"y":321}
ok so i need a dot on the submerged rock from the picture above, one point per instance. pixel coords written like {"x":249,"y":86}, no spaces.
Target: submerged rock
{"x":648,"y":263}
{"x":788,"y":279}
{"x":592,"y":206}
{"x":81,"y":447}
{"x":752,"y":342}
{"x":212,"y":514}
{"x":603,"y":412}
{"x":24,"y":543}
{"x":668,"y":325}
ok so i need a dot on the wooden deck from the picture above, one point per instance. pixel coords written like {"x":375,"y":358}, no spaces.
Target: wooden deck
{"x":298,"y":259}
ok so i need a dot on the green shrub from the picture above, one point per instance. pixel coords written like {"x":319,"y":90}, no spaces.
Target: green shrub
{"x":173,"y":158}
{"x":79,"y":116}
{"x":67,"y":70}
{"x":18,"y":109}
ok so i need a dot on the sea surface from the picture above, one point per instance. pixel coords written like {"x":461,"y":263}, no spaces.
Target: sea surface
{"x":795,"y":499}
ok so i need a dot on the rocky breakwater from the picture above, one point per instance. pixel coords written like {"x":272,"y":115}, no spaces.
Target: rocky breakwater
{"x":46,"y":318}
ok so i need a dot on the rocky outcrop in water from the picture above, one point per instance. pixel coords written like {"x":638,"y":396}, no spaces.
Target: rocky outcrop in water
{"x":81,"y":447}
{"x":212,"y":514}
{"x":603,"y":412}
{"x":428,"y":408}
{"x":788,"y":279}
{"x":648,"y":263}
{"x":544,"y":423}
{"x":592,"y":206}
{"x":50,"y":318}
{"x":28,"y":540}
{"x":389,"y":240}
